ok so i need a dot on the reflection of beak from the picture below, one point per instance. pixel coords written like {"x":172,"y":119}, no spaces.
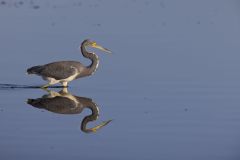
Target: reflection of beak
{"x":94,"y":129}
{"x":101,"y":48}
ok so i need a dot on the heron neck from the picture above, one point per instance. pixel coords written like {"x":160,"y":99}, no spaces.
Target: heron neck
{"x":95,"y":113}
{"x":94,"y":60}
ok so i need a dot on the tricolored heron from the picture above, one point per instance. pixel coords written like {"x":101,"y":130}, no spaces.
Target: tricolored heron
{"x":65,"y":103}
{"x":66,"y":71}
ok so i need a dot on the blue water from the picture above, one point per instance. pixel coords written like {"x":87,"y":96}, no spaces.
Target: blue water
{"x":171,"y":86}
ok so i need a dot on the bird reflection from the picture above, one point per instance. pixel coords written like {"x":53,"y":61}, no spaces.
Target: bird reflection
{"x":65,"y":103}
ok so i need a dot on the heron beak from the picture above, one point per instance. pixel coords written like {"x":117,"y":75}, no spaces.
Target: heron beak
{"x":101,"y":48}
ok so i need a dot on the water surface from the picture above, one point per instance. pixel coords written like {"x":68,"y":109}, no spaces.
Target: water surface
{"x":171,"y":87}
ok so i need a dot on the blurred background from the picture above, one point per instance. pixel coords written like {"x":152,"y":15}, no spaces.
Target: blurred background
{"x":171,"y":85}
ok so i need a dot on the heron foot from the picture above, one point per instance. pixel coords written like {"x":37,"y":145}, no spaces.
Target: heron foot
{"x":65,"y":84}
{"x":45,"y":86}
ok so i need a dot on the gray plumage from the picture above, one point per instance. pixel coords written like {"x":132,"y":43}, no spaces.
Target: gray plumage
{"x":66,"y":71}
{"x":34,"y":70}
{"x":57,"y":70}
{"x":59,"y":104}
{"x":65,"y":103}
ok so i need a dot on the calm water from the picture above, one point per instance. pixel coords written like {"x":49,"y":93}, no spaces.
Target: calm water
{"x":171,"y":86}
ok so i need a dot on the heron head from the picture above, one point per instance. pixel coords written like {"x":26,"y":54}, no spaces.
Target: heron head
{"x":93,"y":44}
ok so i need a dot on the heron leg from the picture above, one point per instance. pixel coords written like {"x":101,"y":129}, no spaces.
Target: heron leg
{"x":52,"y":81}
{"x":65,"y":84}
{"x":45,"y":86}
{"x":64,"y":91}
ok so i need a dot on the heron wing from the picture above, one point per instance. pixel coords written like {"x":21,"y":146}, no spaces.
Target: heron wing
{"x":57,"y":104}
{"x":59,"y":70}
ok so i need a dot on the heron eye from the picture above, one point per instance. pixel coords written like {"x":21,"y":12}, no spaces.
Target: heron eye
{"x":94,"y":44}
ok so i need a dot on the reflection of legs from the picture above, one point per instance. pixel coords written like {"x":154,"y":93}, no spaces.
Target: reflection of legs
{"x":51,"y":94}
{"x":65,"y":84}
{"x":64,"y":91}
{"x":45,"y":86}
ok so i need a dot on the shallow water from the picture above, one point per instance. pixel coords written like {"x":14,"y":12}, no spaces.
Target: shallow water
{"x":171,"y":86}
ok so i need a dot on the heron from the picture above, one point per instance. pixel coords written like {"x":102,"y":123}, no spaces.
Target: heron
{"x":63,"y":102}
{"x":65,"y":71}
